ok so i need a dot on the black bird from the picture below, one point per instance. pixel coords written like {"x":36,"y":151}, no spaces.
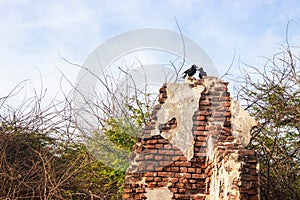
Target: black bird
{"x":190,"y":71}
{"x":201,"y":73}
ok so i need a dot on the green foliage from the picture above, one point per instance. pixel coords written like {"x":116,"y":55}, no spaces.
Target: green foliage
{"x":114,"y":143}
{"x":93,"y":176}
{"x":139,"y":111}
{"x":35,"y":165}
{"x":39,"y":158}
{"x":121,"y":133}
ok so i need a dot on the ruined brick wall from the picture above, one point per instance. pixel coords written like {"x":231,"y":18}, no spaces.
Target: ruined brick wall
{"x":194,"y":147}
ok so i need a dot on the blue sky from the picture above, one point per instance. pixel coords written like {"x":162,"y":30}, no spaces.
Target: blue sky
{"x":33,"y":34}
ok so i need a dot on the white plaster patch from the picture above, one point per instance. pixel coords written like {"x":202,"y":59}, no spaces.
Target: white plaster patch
{"x":182,"y":102}
{"x":241,"y":123}
{"x":210,"y":148}
{"x":159,"y":194}
{"x":225,"y":177}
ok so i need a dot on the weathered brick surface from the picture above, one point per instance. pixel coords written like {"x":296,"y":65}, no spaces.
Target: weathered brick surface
{"x":156,"y":163}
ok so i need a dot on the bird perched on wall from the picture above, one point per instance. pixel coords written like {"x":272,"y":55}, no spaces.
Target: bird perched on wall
{"x":190,"y":71}
{"x":201,"y":73}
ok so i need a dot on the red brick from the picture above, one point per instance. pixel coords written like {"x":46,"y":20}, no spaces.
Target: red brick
{"x":199,"y":176}
{"x":178,"y":153}
{"x":181,"y":190}
{"x":125,"y":196}
{"x":149,"y":157}
{"x":206,"y":112}
{"x":180,"y":185}
{"x":150,"y":146}
{"x":178,"y":175}
{"x":183,"y":169}
{"x":127,"y":190}
{"x":186,"y":175}
{"x":162,"y":141}
{"x":254,"y":184}
{"x":152,"y":184}
{"x":252,"y":160}
{"x":165,"y":179}
{"x":139,"y":190}
{"x":204,"y":102}
{"x":150,"y":167}
{"x":174,"y":180}
{"x":162,"y":184}
{"x":153,"y":141}
{"x":166,"y":152}
{"x":167,"y":158}
{"x":227,"y":114}
{"x":191,"y":170}
{"x":229,"y":145}
{"x":192,"y":181}
{"x":199,"y":170}
{"x":149,"y":179}
{"x":182,"y":164}
{"x":165,"y":174}
{"x":201,"y":144}
{"x":225,"y":104}
{"x":182,"y":158}
{"x":157,"y":179}
{"x":166,"y":169}
{"x":175,"y":169}
{"x":182,"y":196}
{"x":197,"y":164}
{"x":151,"y":151}
{"x":198,"y":132}
{"x":137,"y":196}
{"x":198,"y":197}
{"x":164,"y":163}
{"x":174,"y":190}
{"x":146,"y":174}
{"x":184,"y":180}
{"x":201,"y":138}
{"x":174,"y":158}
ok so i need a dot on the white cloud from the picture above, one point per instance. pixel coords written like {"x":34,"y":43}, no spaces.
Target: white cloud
{"x":32,"y":32}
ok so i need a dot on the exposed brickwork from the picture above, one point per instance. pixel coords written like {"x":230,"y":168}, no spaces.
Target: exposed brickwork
{"x":157,"y":164}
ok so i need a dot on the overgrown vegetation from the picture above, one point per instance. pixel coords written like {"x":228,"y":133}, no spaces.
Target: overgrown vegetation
{"x":41,"y":156}
{"x":272,"y":96}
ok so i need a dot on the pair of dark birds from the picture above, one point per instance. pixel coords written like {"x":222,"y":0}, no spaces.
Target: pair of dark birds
{"x":192,"y":71}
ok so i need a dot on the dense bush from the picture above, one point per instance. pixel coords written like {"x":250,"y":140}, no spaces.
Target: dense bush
{"x":40,"y":157}
{"x":272,"y":96}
